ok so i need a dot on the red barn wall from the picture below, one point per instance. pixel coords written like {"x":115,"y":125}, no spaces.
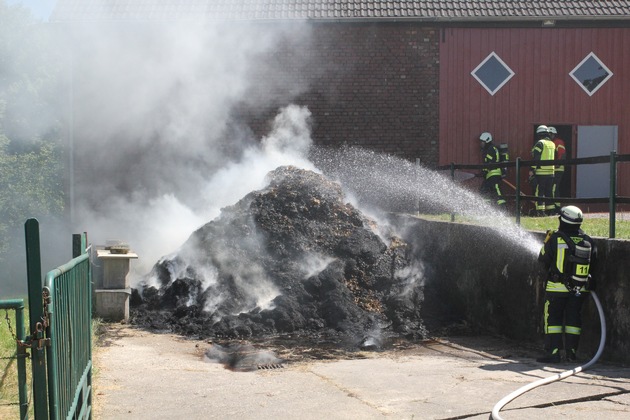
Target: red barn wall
{"x":541,"y":91}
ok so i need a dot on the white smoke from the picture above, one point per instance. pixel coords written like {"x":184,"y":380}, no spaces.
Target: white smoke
{"x":159,"y":146}
{"x":411,"y":277}
{"x":314,"y":264}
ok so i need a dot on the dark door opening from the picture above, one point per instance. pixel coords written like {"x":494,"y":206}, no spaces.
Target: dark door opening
{"x":565,"y":133}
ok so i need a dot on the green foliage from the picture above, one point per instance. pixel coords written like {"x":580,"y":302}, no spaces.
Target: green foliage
{"x":30,"y":185}
{"x":31,"y":168}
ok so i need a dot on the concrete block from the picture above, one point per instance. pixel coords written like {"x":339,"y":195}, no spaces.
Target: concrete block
{"x":112,"y":304}
{"x":113,"y":269}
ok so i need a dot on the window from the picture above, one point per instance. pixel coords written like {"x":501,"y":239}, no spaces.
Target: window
{"x":492,"y":73}
{"x":591,"y":74}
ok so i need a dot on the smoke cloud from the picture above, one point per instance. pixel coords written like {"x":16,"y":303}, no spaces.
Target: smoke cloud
{"x":159,"y":147}
{"x":155,"y":140}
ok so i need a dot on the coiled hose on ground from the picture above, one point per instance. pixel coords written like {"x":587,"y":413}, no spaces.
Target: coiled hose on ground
{"x":544,"y":381}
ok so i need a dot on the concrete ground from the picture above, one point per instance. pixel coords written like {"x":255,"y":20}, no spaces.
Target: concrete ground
{"x":140,"y":375}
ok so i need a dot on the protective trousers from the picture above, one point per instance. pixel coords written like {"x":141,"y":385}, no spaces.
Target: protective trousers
{"x":563,"y":314}
{"x":544,"y":188}
{"x":491,"y":190}
{"x":557,"y":180}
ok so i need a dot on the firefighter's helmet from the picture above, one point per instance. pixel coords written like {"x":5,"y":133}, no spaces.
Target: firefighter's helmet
{"x":552,"y":130}
{"x":542,"y":129}
{"x":571,"y":215}
{"x":485,"y":137}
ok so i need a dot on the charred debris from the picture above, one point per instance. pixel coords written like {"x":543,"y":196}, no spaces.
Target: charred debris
{"x":291,"y":259}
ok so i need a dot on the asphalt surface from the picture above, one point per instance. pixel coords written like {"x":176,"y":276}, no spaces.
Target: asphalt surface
{"x":140,"y":375}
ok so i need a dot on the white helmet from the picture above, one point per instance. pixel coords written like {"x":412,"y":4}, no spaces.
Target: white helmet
{"x":552,"y":130}
{"x":571,"y":215}
{"x":542,"y":129}
{"x":485,"y":137}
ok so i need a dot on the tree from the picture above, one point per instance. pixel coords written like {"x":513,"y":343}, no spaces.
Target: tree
{"x":31,"y":154}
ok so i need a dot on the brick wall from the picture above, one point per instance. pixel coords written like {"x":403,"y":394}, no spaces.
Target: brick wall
{"x":369,"y":85}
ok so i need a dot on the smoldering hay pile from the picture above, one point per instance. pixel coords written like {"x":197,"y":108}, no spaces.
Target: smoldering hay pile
{"x":295,"y":258}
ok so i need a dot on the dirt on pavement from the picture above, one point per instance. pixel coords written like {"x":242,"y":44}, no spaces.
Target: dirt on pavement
{"x":139,"y":375}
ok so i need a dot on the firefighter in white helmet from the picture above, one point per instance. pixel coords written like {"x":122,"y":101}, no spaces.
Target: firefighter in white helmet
{"x":491,"y":184}
{"x":544,"y":150}
{"x":568,"y":255}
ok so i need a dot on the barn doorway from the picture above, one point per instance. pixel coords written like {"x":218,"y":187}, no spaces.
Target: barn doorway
{"x":565,"y":133}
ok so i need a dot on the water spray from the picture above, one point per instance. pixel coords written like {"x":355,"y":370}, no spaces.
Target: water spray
{"x":544,"y":381}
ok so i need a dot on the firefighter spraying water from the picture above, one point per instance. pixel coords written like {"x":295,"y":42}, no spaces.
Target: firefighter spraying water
{"x":568,"y":255}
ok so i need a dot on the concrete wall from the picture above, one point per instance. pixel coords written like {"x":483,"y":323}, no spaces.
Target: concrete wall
{"x":475,"y":275}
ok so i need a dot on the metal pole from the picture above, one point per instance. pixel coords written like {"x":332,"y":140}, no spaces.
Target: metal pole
{"x":613,"y":195}
{"x":453,"y":179}
{"x":518,"y":191}
{"x":36,"y":311}
{"x":21,"y":362}
{"x":417,"y":166}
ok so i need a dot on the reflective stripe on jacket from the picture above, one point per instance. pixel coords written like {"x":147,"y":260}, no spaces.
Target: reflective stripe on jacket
{"x":554,"y":253}
{"x":491,"y":155}
{"x":543,"y":150}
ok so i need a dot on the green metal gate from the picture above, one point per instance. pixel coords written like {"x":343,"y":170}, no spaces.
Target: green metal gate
{"x":61,"y":339}
{"x":70,"y":353}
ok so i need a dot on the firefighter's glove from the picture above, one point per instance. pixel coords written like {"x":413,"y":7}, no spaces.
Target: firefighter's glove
{"x":532,"y":177}
{"x":548,"y":236}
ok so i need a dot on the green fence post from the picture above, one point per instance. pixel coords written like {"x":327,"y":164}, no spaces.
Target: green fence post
{"x":76,"y":245}
{"x":518,"y":191}
{"x":79,"y":244}
{"x":613,"y":195}
{"x":21,"y":362}
{"x":36,"y":312}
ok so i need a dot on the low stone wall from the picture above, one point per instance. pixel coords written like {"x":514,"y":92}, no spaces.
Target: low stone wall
{"x":476,"y":276}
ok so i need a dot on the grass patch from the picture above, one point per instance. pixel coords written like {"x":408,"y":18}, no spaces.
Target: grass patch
{"x":9,"y":397}
{"x":593,"y":226}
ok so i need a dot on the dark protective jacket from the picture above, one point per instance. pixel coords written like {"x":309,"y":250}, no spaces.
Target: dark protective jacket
{"x":553,"y":255}
{"x":490,"y":155}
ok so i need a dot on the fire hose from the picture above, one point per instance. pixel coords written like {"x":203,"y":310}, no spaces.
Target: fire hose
{"x":544,"y":381}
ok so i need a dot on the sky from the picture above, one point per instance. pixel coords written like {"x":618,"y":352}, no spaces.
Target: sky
{"x":41,"y":9}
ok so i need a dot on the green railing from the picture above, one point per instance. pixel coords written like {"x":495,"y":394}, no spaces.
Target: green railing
{"x":612,"y":200}
{"x":69,"y":356}
{"x":20,"y":350}
{"x":60,"y":314}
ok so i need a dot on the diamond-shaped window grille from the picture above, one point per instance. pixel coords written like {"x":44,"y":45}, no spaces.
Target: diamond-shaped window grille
{"x":492,"y":73}
{"x":591,"y":74}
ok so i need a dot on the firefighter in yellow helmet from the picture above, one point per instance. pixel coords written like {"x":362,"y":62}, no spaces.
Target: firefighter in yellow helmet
{"x":568,"y":255}
{"x":544,"y":150}
{"x":490,"y":186}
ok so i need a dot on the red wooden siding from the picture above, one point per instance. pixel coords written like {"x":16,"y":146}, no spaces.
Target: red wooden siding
{"x":541,"y":91}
